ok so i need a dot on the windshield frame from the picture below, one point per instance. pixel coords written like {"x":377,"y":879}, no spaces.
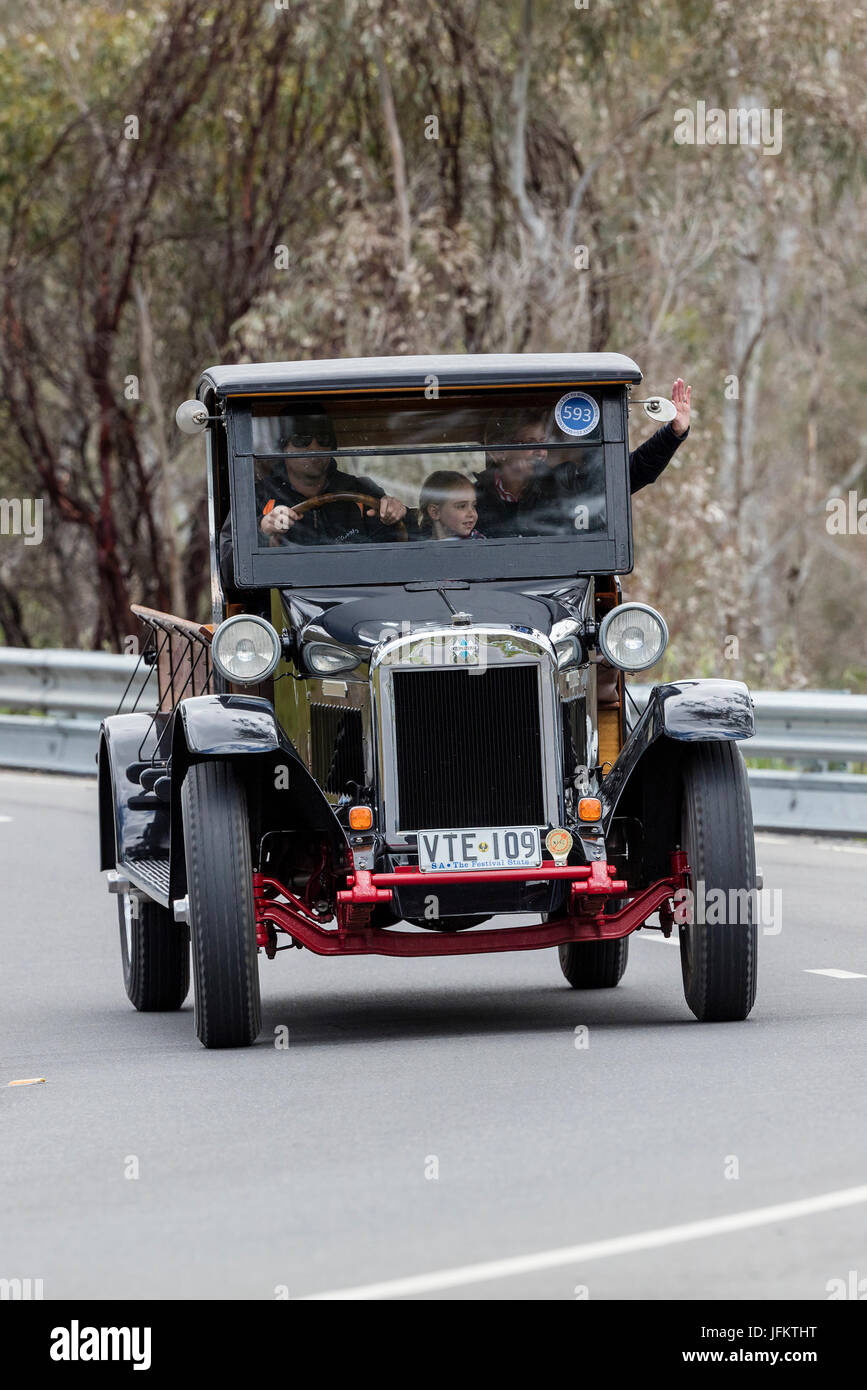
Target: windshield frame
{"x":401,"y":562}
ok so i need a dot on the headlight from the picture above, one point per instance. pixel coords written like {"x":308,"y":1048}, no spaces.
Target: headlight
{"x":245,"y":649}
{"x":327,"y":660}
{"x":633,"y":636}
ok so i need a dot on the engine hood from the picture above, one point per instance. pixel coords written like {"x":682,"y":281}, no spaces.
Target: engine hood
{"x":340,"y":614}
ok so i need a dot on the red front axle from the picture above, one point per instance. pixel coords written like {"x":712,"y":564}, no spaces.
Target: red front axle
{"x":583,"y":920}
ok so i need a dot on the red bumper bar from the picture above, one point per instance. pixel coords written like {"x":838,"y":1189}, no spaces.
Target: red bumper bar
{"x":582,"y":921}
{"x":588,"y":878}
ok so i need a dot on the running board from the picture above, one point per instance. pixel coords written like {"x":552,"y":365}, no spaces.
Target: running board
{"x":150,"y":875}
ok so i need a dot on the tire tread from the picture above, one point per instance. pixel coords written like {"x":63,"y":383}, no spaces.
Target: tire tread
{"x":718,"y":836}
{"x":157,"y":973}
{"x":222,"y":913}
{"x":594,"y":964}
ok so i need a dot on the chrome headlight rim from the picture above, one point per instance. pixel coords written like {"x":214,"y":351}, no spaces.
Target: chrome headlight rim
{"x":219,"y":638}
{"x":309,"y":654}
{"x":618,"y":612}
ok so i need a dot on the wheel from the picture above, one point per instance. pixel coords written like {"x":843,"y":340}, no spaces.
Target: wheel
{"x":221,"y":908}
{"x":155,"y":950}
{"x":594,"y":964}
{"x":718,"y":954}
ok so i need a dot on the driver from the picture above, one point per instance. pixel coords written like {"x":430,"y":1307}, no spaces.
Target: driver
{"x":305,"y":473}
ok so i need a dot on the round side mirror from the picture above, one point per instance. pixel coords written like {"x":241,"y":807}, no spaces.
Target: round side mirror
{"x":660,"y":409}
{"x":191,"y":417}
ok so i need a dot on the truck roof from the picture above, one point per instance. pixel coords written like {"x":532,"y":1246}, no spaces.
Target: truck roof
{"x":410,"y":373}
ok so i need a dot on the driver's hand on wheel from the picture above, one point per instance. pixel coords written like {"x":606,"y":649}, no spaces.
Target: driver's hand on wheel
{"x":278,"y":521}
{"x":391,"y":510}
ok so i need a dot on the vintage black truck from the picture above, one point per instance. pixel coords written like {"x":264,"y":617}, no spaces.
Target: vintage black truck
{"x":407,"y":720}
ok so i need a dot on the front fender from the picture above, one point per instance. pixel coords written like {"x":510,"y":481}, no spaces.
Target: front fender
{"x":686,"y":712}
{"x":704,"y":709}
{"x":220,"y":726}
{"x":282,"y":794}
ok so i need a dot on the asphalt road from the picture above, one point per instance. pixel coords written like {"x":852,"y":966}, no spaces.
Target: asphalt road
{"x":428,"y":1115}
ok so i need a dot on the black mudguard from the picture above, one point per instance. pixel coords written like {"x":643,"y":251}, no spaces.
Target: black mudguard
{"x":282,"y":793}
{"x":123,"y":833}
{"x":686,"y":712}
{"x":643,"y":790}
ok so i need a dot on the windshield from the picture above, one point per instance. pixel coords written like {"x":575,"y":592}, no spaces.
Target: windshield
{"x":476,"y":468}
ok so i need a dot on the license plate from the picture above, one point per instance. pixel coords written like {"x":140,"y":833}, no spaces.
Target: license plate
{"x":504,"y":848}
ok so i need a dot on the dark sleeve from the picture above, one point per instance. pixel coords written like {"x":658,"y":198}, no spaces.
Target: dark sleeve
{"x":267,"y":489}
{"x":226,"y":554}
{"x":368,"y":485}
{"x":584,"y":475}
{"x":650,"y":458}
{"x":378,"y":530}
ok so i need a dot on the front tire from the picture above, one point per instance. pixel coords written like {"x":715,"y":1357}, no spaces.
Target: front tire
{"x":155,"y":950}
{"x":718,"y":956}
{"x":221,"y":906}
{"x":594,"y":964}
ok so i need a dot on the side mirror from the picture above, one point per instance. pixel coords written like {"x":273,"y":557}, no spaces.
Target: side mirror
{"x":191,"y":417}
{"x":658,"y":408}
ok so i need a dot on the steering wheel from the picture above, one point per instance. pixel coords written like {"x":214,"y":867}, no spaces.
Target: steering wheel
{"x":361,"y":499}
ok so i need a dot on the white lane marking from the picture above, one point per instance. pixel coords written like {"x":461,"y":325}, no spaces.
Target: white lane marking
{"x":850,"y":849}
{"x":838,"y":974}
{"x":599,"y":1249}
{"x":5,"y":819}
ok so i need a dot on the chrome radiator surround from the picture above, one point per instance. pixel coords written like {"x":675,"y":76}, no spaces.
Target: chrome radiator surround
{"x":476,"y":647}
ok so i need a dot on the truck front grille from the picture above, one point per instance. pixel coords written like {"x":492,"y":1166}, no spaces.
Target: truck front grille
{"x":469,"y":750}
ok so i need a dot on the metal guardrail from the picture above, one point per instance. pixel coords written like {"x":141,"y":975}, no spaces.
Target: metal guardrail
{"x":49,"y":744}
{"x":810,"y":728}
{"x":829,"y":801}
{"x":805,"y":725}
{"x":73,"y":690}
{"x":86,"y":683}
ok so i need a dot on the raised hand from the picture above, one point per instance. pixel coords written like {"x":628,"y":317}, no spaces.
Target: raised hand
{"x":680,"y":394}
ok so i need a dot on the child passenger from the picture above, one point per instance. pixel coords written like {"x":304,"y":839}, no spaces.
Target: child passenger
{"x":447,"y":507}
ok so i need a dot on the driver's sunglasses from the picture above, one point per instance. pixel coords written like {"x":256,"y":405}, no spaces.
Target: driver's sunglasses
{"x":302,"y":439}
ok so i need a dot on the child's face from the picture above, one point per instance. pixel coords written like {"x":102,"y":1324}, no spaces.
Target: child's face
{"x":458,"y":514}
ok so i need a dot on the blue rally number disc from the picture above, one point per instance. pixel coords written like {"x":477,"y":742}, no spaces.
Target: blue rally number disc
{"x":577,"y":413}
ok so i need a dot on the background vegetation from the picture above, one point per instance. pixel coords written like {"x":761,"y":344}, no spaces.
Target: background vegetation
{"x":128,"y":264}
